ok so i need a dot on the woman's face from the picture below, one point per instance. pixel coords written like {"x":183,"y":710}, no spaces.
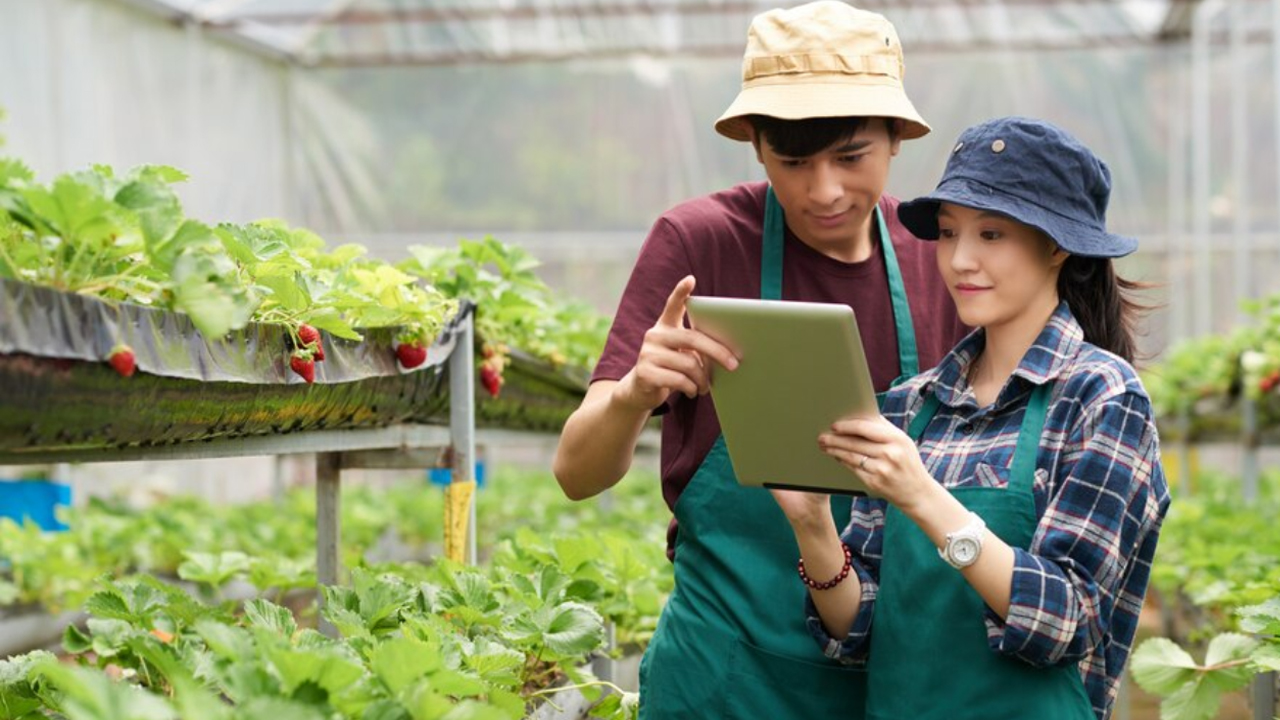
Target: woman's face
{"x":997,"y":269}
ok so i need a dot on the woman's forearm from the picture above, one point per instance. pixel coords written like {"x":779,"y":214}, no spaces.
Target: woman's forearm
{"x":823,"y":556}
{"x":939,"y":513}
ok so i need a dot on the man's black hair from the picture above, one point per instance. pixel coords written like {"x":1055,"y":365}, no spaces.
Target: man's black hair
{"x":802,"y":138}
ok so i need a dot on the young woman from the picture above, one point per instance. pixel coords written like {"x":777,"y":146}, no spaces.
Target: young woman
{"x":1001,"y":569}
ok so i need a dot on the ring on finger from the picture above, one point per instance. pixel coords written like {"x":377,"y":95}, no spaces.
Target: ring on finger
{"x":862,"y":465}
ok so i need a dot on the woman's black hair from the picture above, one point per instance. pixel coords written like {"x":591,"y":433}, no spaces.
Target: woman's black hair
{"x":1103,"y":303}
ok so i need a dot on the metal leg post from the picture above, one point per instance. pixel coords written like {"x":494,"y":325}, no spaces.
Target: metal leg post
{"x":462,"y":419}
{"x":328,"y":504}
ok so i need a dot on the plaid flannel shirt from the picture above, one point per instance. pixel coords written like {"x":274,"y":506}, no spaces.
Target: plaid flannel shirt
{"x":1099,"y":491}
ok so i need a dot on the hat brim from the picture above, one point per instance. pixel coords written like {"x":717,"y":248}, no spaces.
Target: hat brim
{"x":818,"y":99}
{"x":920,"y":216}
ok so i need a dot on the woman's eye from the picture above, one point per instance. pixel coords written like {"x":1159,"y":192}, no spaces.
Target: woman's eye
{"x":990,"y":235}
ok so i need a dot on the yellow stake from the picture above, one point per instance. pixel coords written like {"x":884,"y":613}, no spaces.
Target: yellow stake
{"x":457,"y":512}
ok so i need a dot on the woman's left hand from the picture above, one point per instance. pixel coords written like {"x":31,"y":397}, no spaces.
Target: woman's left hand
{"x":884,"y":457}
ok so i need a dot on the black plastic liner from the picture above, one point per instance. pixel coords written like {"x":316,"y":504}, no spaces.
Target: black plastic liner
{"x":57,"y":391}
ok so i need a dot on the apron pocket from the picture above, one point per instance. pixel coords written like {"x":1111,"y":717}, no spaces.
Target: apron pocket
{"x":764,"y":684}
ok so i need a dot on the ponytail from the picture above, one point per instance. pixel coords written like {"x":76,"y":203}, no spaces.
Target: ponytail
{"x":1103,"y":303}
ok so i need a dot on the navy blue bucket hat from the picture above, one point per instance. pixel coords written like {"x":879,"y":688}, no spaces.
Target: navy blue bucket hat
{"x":1033,"y":172}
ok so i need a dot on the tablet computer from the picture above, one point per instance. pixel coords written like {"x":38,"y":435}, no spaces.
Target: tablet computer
{"x":802,"y":368}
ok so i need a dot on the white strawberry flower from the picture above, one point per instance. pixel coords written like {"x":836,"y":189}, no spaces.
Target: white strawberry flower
{"x":1253,"y":361}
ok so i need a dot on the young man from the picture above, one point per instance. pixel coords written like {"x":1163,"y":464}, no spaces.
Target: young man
{"x":823,"y":104}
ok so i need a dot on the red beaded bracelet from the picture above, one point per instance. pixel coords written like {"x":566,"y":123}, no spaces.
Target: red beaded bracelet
{"x":839,"y":578}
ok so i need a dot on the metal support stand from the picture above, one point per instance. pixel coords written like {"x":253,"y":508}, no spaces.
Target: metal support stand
{"x":1249,"y":449}
{"x":1263,"y":696}
{"x":462,"y":420}
{"x":328,"y":530}
{"x":398,"y":447}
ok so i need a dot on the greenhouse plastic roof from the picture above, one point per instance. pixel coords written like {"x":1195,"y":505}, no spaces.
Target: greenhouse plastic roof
{"x":454,"y":32}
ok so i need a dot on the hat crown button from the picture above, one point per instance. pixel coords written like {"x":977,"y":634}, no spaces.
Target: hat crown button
{"x":958,"y":146}
{"x":997,"y":146}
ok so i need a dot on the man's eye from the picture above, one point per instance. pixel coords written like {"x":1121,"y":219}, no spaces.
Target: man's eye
{"x":851,"y":159}
{"x":946,"y":233}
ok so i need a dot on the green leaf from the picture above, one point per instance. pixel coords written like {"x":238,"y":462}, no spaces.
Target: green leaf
{"x":269,"y":616}
{"x":286,"y":291}
{"x":496,"y":663}
{"x":1267,"y":658}
{"x":330,"y":320}
{"x":110,"y":637}
{"x":75,"y":641}
{"x":90,"y":695}
{"x":1263,"y":618}
{"x":568,"y":630}
{"x":214,"y":569}
{"x":326,"y":669}
{"x":277,"y":708}
{"x":226,"y":641}
{"x":456,"y":684}
{"x":73,"y":209}
{"x":1226,"y":649}
{"x":1160,"y":667}
{"x":401,"y":662}
{"x":13,"y":169}
{"x":159,"y":213}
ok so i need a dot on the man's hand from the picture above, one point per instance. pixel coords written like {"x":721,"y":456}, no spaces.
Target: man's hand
{"x":673,"y":358}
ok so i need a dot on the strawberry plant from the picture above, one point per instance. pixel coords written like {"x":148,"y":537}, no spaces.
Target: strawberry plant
{"x":1216,"y":573}
{"x":514,"y":307}
{"x":126,"y":239}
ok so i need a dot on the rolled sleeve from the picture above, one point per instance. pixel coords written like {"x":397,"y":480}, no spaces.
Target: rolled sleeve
{"x":852,"y":649}
{"x":1064,"y":590}
{"x":864,"y":536}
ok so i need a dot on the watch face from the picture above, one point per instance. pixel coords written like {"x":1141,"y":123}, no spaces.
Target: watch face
{"x":964,"y":551}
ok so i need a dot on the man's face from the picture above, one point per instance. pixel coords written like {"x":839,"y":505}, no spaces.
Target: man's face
{"x":828,"y":196}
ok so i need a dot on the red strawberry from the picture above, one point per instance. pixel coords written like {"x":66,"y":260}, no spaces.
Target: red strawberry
{"x":302,"y":364}
{"x":491,"y":379}
{"x":122,"y":360}
{"x":309,"y":335}
{"x":1270,"y":382}
{"x":411,"y":355}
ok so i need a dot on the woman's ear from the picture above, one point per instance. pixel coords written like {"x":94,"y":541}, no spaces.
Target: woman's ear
{"x":1057,"y":256}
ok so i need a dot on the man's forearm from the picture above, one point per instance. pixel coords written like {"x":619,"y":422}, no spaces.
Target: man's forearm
{"x":597,"y":443}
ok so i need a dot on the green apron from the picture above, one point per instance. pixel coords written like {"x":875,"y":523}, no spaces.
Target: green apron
{"x":929,"y":655}
{"x":732,"y":642}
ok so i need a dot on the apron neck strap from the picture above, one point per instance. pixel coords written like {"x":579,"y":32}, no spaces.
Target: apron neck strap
{"x":908,"y":356}
{"x":1022,"y":470}
{"x":771,"y":262}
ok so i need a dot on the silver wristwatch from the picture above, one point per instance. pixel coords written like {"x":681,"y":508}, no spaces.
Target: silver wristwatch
{"x":964,"y":545}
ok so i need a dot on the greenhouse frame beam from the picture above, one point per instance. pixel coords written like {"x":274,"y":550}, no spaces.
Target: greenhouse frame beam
{"x":391,"y":59}
{"x":616,"y":9}
{"x":179,"y":17}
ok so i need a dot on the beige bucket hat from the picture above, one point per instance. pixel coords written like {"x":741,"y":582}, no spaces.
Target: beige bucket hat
{"x":821,"y":59}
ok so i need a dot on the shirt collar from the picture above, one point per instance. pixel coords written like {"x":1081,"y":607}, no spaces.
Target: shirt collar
{"x":1045,"y":361}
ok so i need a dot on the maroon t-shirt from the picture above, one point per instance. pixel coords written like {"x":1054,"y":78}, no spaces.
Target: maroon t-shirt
{"x":718,"y":239}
